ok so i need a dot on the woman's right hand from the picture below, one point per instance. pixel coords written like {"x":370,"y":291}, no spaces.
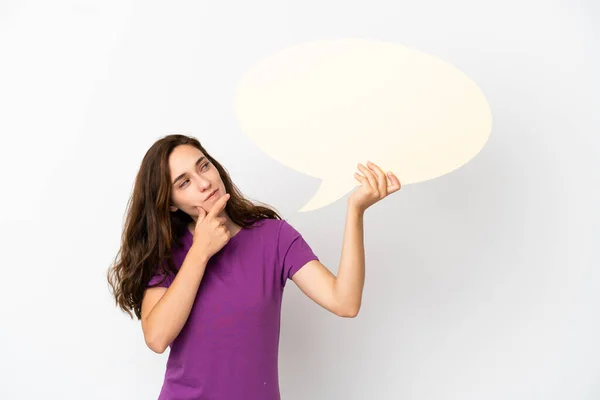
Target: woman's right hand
{"x":210,"y":232}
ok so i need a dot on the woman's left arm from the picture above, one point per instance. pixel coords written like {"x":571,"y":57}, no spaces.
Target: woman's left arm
{"x":342,"y":295}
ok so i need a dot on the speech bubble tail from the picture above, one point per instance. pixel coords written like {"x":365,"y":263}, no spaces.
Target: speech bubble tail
{"x":329,"y":191}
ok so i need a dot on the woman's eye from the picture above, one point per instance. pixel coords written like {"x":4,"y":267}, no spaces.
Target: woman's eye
{"x":202,"y":167}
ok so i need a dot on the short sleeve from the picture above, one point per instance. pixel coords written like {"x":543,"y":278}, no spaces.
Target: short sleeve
{"x":158,"y":281}
{"x":292,"y":250}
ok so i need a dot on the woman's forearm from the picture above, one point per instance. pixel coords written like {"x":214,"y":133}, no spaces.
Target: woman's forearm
{"x":171,"y":312}
{"x":351,"y":271}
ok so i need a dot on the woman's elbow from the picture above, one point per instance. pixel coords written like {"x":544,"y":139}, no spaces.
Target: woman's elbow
{"x":349,"y":312}
{"x":155,"y":344}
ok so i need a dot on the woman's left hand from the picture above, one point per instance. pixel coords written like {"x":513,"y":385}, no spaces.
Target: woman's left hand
{"x":374,"y":187}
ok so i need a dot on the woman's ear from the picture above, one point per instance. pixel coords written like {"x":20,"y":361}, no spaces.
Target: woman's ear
{"x":173,"y":208}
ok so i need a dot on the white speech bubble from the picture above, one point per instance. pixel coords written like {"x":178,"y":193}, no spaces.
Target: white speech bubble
{"x":321,"y":107}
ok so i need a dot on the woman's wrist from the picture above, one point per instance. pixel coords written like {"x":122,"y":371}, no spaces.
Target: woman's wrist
{"x":199,"y":253}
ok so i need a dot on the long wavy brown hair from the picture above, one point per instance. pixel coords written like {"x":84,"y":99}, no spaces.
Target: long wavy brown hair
{"x":151,"y":230}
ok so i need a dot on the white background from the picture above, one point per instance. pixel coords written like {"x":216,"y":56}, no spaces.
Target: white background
{"x":481,"y":284}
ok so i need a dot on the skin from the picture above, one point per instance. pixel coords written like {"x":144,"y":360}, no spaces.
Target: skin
{"x":191,"y":191}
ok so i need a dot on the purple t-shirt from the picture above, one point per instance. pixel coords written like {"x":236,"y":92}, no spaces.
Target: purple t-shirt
{"x":228,"y":347}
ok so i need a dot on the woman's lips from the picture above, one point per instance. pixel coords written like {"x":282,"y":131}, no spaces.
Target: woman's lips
{"x":212,"y":194}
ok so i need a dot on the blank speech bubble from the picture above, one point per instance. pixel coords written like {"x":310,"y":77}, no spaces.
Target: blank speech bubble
{"x":321,"y":107}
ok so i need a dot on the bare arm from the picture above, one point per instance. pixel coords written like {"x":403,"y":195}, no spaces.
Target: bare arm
{"x":165,"y":310}
{"x":342,"y":295}
{"x":348,"y":287}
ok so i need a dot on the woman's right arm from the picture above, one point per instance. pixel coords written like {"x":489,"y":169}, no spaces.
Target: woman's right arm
{"x":165,"y":310}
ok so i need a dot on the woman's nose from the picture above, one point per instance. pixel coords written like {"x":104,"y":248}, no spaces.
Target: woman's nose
{"x":203,"y":184}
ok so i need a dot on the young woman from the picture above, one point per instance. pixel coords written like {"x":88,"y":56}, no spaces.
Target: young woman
{"x":204,"y":270}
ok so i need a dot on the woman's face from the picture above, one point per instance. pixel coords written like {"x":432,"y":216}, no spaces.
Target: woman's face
{"x":193,"y":178}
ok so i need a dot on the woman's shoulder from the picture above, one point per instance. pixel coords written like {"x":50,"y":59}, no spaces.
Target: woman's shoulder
{"x":268,"y":227}
{"x":266,"y":223}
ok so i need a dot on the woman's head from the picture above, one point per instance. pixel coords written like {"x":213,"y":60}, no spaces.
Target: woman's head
{"x":194,"y":178}
{"x":176,"y":176}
